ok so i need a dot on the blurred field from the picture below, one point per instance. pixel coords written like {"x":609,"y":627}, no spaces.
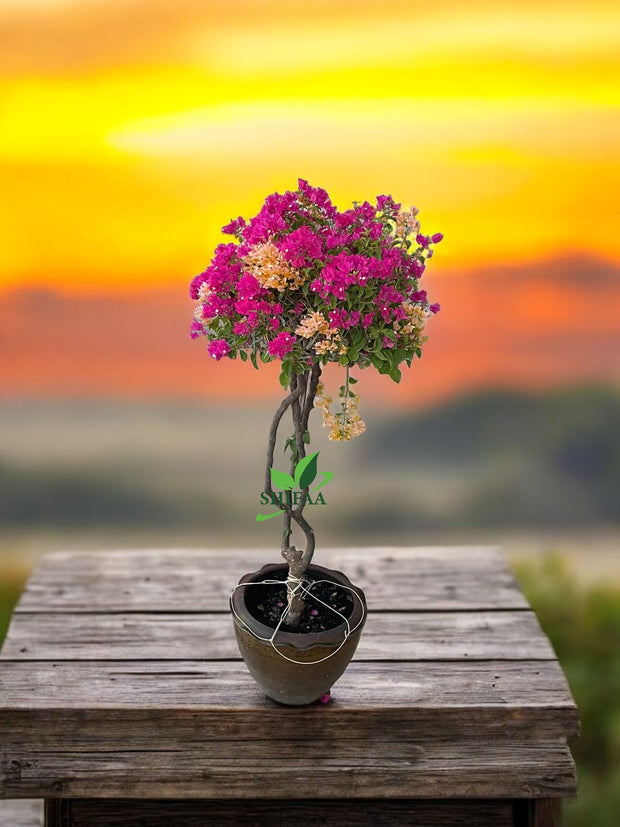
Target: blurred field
{"x":508,"y":460}
{"x":583,"y":624}
{"x":538,"y":475}
{"x":531,"y":473}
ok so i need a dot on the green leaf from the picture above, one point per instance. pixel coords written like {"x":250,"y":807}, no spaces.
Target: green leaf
{"x":306,"y":437}
{"x":352,"y":381}
{"x":395,"y":374}
{"x":253,"y":360}
{"x":327,"y":475}
{"x":282,"y":480}
{"x":285,"y":374}
{"x":291,"y":445}
{"x":243,"y":356}
{"x":306,"y":469}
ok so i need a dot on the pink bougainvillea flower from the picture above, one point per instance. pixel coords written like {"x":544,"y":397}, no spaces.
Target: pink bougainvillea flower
{"x":386,"y":204}
{"x":218,"y":348}
{"x":196,"y":284}
{"x":299,"y":259}
{"x":435,"y":308}
{"x":301,"y":246}
{"x":337,"y":318}
{"x":234,"y":227}
{"x":248,"y":287}
{"x":281,"y":345}
{"x":246,"y":306}
{"x":354,"y":319}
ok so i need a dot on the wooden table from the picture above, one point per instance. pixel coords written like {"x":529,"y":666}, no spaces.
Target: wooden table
{"x":123,"y":699}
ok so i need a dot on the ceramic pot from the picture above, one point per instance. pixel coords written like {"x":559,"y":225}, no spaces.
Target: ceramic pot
{"x":306,"y":665}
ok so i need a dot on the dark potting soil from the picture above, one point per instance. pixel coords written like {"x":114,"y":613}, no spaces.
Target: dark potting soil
{"x":267,"y":601}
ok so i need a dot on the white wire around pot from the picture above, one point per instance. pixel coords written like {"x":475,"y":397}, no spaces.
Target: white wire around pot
{"x":305,"y":590}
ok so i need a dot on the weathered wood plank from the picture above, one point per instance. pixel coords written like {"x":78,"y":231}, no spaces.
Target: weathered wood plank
{"x":119,"y":705}
{"x":392,"y":636}
{"x":381,"y":735}
{"x":259,"y":813}
{"x":436,"y":578}
{"x":471,"y":769}
{"x":24,"y":813}
{"x":204,"y":684}
{"x":120,"y":678}
{"x":545,"y":812}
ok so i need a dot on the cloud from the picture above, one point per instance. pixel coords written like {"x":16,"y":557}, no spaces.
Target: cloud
{"x":272,"y":37}
{"x":549,"y":322}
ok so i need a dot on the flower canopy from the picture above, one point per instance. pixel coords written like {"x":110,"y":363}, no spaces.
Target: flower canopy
{"x":307,"y":284}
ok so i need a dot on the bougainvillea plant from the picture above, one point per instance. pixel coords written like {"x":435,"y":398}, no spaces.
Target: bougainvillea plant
{"x":306,"y":284}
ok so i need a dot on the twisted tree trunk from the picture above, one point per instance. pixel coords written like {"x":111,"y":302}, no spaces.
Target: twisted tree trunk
{"x":300,"y":400}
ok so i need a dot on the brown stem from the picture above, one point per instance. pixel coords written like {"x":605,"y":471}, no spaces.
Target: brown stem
{"x":298,"y":561}
{"x":273,"y":433}
{"x":313,"y":383}
{"x":286,"y":525}
{"x":301,"y":401}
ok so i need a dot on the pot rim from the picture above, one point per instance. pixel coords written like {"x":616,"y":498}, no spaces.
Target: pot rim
{"x":299,"y":640}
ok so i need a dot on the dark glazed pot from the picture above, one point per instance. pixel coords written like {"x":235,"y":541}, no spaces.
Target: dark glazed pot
{"x":295,"y":684}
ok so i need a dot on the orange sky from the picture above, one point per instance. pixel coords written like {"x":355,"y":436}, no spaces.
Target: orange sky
{"x":132,"y":130}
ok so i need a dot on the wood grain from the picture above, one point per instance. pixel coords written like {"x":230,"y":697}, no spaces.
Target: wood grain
{"x":545,"y":812}
{"x":169,"y":580}
{"x":431,"y":698}
{"x":391,"y":636}
{"x":120,"y":678}
{"x":474,"y":768}
{"x":261,"y":813}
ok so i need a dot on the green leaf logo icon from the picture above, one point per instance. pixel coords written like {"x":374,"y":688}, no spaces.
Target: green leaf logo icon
{"x":306,"y":469}
{"x":282,"y":480}
{"x":327,"y":475}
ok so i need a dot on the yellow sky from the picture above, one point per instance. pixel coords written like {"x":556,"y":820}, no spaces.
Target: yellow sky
{"x":131,"y":130}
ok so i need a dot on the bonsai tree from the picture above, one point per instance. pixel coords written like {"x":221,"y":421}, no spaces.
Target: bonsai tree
{"x":306,"y":284}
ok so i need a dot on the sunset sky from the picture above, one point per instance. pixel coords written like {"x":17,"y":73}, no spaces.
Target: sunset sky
{"x":132,"y":130}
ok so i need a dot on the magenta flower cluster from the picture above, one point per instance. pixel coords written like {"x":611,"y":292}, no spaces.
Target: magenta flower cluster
{"x":305,"y":283}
